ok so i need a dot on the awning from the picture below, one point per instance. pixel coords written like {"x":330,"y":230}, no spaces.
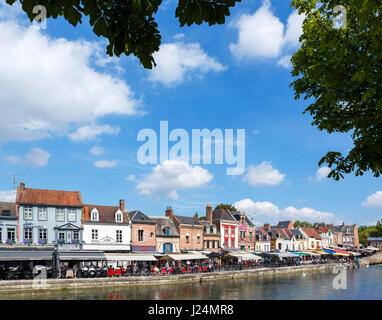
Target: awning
{"x":185,"y":256}
{"x":242,"y":256}
{"x":26,"y":255}
{"x":129,"y":257}
{"x":81,"y":256}
{"x":301,"y":254}
{"x":283,"y":254}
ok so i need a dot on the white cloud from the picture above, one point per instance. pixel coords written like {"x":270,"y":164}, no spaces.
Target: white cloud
{"x":293,"y":29}
{"x":173,"y":175}
{"x":263,"y":174}
{"x":285,"y":61}
{"x":373,"y":201}
{"x":49,"y":85}
{"x":8,"y":196}
{"x":260,"y":34}
{"x":178,"y":36}
{"x":105,"y":163}
{"x":179,"y":61}
{"x":131,"y":177}
{"x":263,"y":35}
{"x":36,"y":157}
{"x":97,"y":151}
{"x":92,"y":131}
{"x":322,"y":173}
{"x":269,"y":212}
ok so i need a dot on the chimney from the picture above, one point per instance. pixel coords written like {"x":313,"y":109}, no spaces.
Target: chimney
{"x":267,"y":226}
{"x":209,"y":213}
{"x":122,"y":205}
{"x":169,"y":213}
{"x":22,"y":186}
{"x":86,"y":214}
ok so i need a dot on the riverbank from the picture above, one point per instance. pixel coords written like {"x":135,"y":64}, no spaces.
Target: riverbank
{"x":67,"y":284}
{"x":374,"y":259}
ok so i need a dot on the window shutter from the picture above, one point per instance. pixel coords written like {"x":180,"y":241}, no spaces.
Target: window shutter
{"x":145,"y":237}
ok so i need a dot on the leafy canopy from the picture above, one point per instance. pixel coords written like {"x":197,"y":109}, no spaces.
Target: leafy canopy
{"x":229,"y":207}
{"x":340,"y":70}
{"x":129,"y":25}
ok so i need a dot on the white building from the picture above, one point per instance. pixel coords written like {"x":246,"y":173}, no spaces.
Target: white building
{"x":107,"y":228}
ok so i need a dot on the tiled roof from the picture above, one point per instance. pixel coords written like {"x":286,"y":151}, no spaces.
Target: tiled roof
{"x":237,"y":217}
{"x":311,"y":233}
{"x":162,"y":224}
{"x":222,"y":214}
{"x":49,"y":197}
{"x":297,"y":233}
{"x":138,"y":216}
{"x":106,"y":213}
{"x":8,"y":209}
{"x":188,"y":220}
{"x":284,"y":224}
{"x":323,"y":229}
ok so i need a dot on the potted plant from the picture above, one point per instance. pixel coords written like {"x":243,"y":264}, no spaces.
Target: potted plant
{"x":60,"y":241}
{"x":8,"y":241}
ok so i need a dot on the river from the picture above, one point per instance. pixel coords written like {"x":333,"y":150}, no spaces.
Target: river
{"x":362,"y":283}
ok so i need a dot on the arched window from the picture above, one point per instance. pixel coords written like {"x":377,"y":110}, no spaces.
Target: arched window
{"x":94,"y":215}
{"x":118,"y":216}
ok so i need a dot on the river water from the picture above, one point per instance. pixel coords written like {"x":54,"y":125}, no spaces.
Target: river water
{"x":362,"y":283}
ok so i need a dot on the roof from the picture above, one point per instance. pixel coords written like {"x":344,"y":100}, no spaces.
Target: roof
{"x":49,"y":197}
{"x":311,"y":233}
{"x":297,"y":233}
{"x":188,"y":220}
{"x":237,"y":217}
{"x":106,"y":213}
{"x":284,"y":224}
{"x":137,"y":216}
{"x":323,"y":229}
{"x":162,"y":224}
{"x":222,"y":214}
{"x":8,"y":209}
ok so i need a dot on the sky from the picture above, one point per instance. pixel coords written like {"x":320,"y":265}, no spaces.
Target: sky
{"x":70,"y":117}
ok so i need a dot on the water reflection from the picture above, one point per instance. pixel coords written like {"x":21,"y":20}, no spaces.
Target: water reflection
{"x":364,"y":283}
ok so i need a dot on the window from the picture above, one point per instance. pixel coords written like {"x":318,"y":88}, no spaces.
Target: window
{"x":250,"y":236}
{"x":11,"y":234}
{"x":28,"y":213}
{"x":167,"y":232}
{"x":118,"y":217}
{"x":94,"y":215}
{"x":119,"y":236}
{"x":42,"y":214}
{"x":151,"y":234}
{"x":72,"y":215}
{"x":60,"y":214}
{"x":28,"y":234}
{"x":232,"y":243}
{"x":225,"y":230}
{"x":42,"y":234}
{"x":187,"y":238}
{"x":76,"y":235}
{"x":1,"y":235}
{"x":94,"y":234}
{"x":198,"y":238}
{"x":61,"y":235}
{"x":140,"y":235}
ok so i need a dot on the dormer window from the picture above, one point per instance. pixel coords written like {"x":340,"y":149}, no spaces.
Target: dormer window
{"x":118,"y":216}
{"x":167,"y":231}
{"x":94,"y":216}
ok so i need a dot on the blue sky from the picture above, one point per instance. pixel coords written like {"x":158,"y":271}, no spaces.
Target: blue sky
{"x":71,"y":116}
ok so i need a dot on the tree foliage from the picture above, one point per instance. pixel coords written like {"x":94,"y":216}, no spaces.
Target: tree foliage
{"x":229,"y":207}
{"x":365,"y":232}
{"x":340,"y":70}
{"x":298,"y":224}
{"x":129,"y":25}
